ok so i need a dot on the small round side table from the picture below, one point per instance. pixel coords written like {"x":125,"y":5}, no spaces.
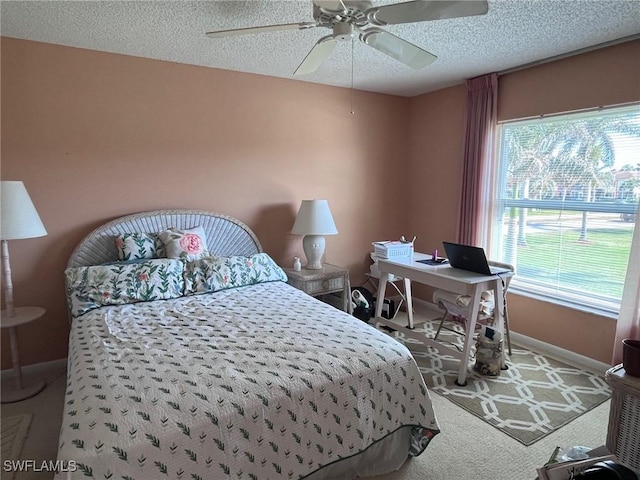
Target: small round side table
{"x":19,"y":391}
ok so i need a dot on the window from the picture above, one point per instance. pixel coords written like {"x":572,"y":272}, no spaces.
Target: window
{"x":564,"y":202}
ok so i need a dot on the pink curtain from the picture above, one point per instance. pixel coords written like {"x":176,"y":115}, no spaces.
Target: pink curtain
{"x":480,"y":123}
{"x":628,"y":325}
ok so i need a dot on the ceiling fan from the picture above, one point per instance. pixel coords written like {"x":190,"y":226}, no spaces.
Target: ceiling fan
{"x":346,"y":18}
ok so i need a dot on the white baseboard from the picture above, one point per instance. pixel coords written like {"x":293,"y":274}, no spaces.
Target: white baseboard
{"x":567,"y":356}
{"x":553,"y":351}
{"x":60,"y":363}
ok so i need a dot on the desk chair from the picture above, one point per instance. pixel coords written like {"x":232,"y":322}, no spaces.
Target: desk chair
{"x":456,"y":307}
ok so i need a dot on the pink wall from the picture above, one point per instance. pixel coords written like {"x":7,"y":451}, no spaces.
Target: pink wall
{"x":604,"y":77}
{"x":437,"y":143}
{"x":96,"y":135}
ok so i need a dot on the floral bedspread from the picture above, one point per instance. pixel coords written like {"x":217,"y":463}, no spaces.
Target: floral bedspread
{"x":258,"y":382}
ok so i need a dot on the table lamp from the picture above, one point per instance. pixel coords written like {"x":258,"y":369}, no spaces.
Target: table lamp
{"x":314,"y":220}
{"x":19,"y":219}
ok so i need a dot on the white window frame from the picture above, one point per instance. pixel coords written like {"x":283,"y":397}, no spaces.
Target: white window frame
{"x":492,"y":237}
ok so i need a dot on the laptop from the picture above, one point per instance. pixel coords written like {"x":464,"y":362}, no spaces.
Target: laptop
{"x":471,"y":259}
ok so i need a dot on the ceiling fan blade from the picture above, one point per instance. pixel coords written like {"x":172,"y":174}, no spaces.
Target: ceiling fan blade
{"x":403,"y":51}
{"x":316,"y":56}
{"x":266,"y":28}
{"x":425,"y":10}
{"x":331,"y":5}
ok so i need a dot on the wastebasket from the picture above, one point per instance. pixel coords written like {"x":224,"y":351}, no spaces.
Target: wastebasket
{"x":488,"y":352}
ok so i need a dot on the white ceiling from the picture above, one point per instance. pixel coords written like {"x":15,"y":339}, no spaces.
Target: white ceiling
{"x":513,"y":33}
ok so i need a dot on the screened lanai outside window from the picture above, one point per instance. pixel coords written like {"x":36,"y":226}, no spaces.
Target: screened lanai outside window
{"x":564,"y":205}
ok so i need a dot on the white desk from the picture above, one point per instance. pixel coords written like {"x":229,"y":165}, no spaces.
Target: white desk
{"x":446,"y":278}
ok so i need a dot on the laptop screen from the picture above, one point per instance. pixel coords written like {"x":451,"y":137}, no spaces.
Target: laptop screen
{"x":469,"y":258}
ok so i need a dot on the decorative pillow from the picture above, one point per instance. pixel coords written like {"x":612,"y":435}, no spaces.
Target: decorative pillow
{"x":219,"y":273}
{"x":187,"y":244}
{"x":118,"y":284}
{"x":133,"y":246}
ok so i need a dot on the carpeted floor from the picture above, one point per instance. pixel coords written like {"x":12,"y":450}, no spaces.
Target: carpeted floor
{"x":533,"y":397}
{"x":14,"y":433}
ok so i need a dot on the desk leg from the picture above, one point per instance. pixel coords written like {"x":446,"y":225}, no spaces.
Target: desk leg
{"x":382,"y":288}
{"x":407,"y":293}
{"x":468,"y":338}
{"x":499,"y":319}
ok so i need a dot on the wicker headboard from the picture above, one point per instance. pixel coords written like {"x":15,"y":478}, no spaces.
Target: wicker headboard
{"x":225,"y":235}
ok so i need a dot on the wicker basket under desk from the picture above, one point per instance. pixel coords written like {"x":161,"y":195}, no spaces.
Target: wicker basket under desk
{"x":623,"y":433}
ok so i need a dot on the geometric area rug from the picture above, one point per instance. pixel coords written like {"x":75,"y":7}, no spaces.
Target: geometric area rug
{"x":533,"y":397}
{"x":14,"y":433}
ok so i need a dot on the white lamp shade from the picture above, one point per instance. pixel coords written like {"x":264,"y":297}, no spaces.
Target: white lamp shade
{"x":314,"y":218}
{"x":19,"y":217}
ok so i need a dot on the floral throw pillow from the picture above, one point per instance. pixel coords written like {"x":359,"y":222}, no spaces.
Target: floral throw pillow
{"x":121,"y":283}
{"x":219,"y":273}
{"x":135,"y":246}
{"x":188,"y":244}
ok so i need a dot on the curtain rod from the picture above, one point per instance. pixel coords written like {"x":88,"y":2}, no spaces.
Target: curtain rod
{"x":570,"y":112}
{"x":570,"y":54}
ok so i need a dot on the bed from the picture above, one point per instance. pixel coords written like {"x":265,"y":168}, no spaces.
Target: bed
{"x":220,"y":369}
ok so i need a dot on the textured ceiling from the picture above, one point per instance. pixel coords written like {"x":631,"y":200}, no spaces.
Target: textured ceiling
{"x":513,"y":33}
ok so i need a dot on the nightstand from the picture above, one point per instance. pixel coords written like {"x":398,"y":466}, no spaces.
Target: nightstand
{"x":18,"y":391}
{"x":330,"y":279}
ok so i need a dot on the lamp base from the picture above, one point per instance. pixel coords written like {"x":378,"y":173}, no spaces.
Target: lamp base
{"x":10,"y":394}
{"x":313,"y":246}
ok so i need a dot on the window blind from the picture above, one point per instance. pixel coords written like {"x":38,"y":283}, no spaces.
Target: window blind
{"x":564,"y":202}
